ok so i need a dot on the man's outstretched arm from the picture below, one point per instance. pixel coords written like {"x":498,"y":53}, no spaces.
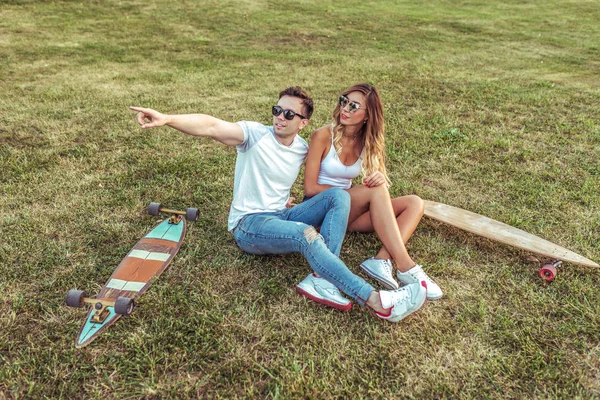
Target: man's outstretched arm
{"x":192,"y":124}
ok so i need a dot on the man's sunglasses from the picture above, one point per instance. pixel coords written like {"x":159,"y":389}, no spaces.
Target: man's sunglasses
{"x":343,"y":101}
{"x":287,"y":114}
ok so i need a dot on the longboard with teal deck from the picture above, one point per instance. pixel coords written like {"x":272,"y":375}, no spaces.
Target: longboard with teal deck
{"x":141,"y":266}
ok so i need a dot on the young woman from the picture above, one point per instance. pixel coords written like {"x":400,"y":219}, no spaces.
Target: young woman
{"x":353,"y":144}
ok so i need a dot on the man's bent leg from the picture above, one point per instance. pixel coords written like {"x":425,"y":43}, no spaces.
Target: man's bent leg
{"x":266,"y":233}
{"x":329,"y":210}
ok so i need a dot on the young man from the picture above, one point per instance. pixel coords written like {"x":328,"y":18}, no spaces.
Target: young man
{"x":268,"y":162}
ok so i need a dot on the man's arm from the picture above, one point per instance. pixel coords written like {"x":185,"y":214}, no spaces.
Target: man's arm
{"x":192,"y":124}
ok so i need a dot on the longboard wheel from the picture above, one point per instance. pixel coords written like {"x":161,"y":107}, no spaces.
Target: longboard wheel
{"x":154,"y":209}
{"x":124,"y":306}
{"x":548,"y":272}
{"x":191,"y":214}
{"x":75,"y":298}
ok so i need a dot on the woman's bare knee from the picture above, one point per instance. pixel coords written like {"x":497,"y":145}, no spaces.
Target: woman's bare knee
{"x":417,"y":203}
{"x":411,"y":203}
{"x":379,"y":191}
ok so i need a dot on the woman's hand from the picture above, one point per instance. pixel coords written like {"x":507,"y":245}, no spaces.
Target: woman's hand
{"x":374,"y":180}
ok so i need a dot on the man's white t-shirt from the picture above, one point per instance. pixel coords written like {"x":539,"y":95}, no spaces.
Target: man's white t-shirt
{"x":265,"y":171}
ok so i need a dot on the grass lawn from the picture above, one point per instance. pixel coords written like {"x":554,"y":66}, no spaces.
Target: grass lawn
{"x":490,"y":106}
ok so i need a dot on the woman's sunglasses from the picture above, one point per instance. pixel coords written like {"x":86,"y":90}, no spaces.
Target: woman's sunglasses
{"x":287,"y":114}
{"x":343,"y":101}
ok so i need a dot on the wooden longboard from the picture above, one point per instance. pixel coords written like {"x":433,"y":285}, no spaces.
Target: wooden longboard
{"x":142,"y":265}
{"x":500,"y":232}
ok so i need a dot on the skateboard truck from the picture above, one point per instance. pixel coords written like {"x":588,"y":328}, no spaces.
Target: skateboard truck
{"x":175,"y":218}
{"x":100,"y":310}
{"x":548,"y":271}
{"x":191,"y":214}
{"x":122,"y":305}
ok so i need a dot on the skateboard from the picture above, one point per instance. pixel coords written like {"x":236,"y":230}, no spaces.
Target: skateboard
{"x":503,"y":233}
{"x":141,"y":266}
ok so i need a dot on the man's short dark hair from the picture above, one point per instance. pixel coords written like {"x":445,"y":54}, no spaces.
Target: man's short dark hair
{"x":307,"y":101}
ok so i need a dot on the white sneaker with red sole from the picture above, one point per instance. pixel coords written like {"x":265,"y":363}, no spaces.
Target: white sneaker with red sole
{"x":403,"y":301}
{"x":324,"y":292}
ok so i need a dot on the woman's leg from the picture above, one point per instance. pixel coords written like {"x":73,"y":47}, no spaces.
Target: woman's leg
{"x":383,"y":221}
{"x":408,"y":211}
{"x":370,"y":206}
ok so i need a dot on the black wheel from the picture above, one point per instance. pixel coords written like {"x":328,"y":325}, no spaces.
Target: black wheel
{"x":75,"y":298}
{"x":191,"y":214}
{"x":124,"y":306}
{"x":154,"y":209}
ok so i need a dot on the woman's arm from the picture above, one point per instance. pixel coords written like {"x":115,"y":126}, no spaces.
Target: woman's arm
{"x":319,"y":145}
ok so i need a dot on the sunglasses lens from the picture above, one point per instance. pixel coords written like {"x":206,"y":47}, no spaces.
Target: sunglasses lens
{"x":343,"y":100}
{"x":353,"y":106}
{"x":289,"y":115}
{"x":276,"y":110}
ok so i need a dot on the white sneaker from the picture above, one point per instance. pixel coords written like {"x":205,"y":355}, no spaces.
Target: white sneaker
{"x":403,"y":301}
{"x":322,"y":291}
{"x":381,"y":271}
{"x":416,"y":274}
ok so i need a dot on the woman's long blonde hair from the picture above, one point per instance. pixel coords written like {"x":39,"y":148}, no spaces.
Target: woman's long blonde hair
{"x":372,"y":133}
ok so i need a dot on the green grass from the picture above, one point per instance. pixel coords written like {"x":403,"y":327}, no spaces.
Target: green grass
{"x":490,"y":106}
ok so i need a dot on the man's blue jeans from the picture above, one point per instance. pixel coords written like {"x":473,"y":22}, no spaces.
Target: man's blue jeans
{"x":293,"y":231}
